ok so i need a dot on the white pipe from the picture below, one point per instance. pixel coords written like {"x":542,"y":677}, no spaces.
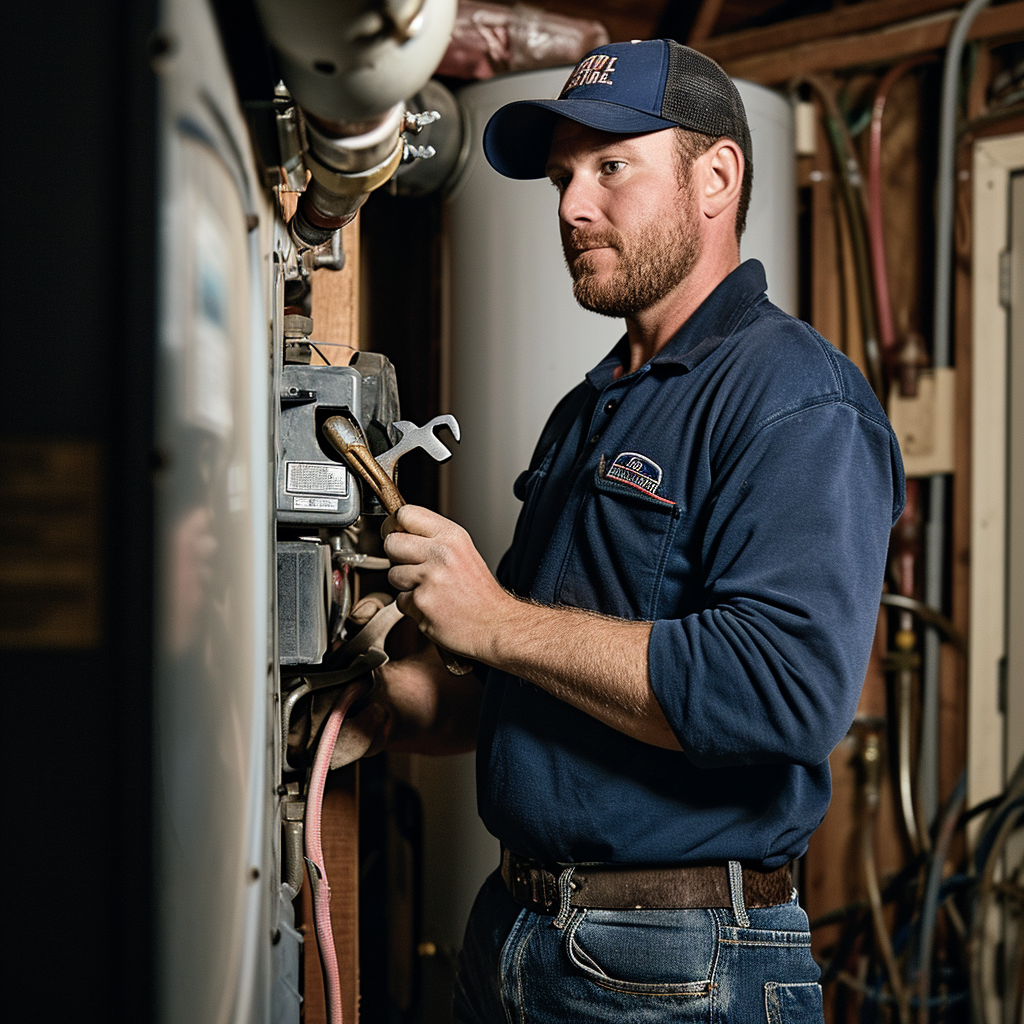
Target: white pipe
{"x":349,"y":61}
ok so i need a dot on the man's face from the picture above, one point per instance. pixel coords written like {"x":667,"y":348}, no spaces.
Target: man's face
{"x":628,"y":218}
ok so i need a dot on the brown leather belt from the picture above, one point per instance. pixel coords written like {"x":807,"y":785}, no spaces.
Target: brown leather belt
{"x":624,"y":887}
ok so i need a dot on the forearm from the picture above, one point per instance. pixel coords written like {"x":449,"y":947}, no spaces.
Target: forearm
{"x":595,"y":663}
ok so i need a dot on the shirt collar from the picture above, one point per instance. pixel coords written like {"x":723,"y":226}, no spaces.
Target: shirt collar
{"x":710,"y":324}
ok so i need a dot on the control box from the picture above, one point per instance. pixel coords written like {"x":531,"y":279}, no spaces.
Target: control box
{"x":314,"y":486}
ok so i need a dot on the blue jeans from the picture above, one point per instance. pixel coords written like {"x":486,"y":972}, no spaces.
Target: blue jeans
{"x":644,"y":966}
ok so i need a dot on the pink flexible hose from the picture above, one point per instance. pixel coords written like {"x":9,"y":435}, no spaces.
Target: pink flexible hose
{"x":315,"y":853}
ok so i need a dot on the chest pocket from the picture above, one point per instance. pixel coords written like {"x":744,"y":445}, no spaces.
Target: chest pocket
{"x":621,"y":544}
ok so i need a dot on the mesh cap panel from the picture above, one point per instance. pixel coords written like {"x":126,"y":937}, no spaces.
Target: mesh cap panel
{"x":700,"y":96}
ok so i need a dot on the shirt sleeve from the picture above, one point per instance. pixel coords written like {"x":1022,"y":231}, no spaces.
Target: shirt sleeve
{"x":770,"y":670}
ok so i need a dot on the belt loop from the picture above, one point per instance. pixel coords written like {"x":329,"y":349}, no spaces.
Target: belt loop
{"x":565,"y":888}
{"x":739,"y":903}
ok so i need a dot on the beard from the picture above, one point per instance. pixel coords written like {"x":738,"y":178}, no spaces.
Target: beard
{"x":659,"y":256}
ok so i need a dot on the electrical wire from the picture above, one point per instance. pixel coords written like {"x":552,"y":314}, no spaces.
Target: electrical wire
{"x":930,"y":903}
{"x":874,"y":996}
{"x":318,"y":346}
{"x":882,"y":941}
{"x":985,"y":900}
{"x":871,"y":768}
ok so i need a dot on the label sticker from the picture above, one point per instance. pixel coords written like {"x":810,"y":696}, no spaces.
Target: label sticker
{"x":316,"y":504}
{"x":637,"y":470}
{"x":316,"y":478}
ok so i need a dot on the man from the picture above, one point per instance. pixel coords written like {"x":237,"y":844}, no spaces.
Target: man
{"x":678,"y":635}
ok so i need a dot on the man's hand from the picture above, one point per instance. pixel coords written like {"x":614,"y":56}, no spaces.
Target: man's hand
{"x":444,"y":585}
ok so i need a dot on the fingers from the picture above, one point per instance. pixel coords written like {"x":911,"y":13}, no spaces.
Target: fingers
{"x":413,"y":519}
{"x":403,"y":548}
{"x":368,"y":607}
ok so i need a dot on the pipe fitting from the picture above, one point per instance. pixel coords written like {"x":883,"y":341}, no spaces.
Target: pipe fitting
{"x":333,"y":197}
{"x":350,"y":149}
{"x":358,"y":183}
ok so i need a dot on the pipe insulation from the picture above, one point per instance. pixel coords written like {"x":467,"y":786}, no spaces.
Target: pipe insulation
{"x":935,"y":531}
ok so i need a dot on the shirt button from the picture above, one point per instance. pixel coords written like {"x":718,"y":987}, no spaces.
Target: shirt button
{"x":610,"y":407}
{"x":595,"y":439}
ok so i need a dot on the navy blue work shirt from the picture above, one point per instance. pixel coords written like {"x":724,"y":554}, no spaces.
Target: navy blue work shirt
{"x":738,"y":492}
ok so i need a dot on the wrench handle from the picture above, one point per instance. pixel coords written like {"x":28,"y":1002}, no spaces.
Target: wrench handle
{"x":360,"y":459}
{"x":363,"y":463}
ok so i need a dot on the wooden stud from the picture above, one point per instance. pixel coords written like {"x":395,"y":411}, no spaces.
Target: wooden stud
{"x":879,"y":47}
{"x":336,"y":303}
{"x":704,"y":23}
{"x":839,"y":21}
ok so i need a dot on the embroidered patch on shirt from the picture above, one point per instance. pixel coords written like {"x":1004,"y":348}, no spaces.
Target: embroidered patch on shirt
{"x":638,"y":470}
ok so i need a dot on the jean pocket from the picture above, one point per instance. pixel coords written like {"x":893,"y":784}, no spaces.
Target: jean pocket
{"x":798,"y":1003}
{"x":654,"y":952}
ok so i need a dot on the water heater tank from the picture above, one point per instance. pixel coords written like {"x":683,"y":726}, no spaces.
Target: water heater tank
{"x":518,"y":340}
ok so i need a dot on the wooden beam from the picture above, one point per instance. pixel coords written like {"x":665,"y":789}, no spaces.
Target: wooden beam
{"x":704,"y":23}
{"x":839,"y":21}
{"x":880,"y":47}
{"x":336,"y":303}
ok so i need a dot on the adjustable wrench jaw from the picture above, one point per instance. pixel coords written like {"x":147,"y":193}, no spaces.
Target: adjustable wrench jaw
{"x":424,"y":437}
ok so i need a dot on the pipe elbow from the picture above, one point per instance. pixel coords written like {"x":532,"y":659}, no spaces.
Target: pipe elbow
{"x":347,"y":62}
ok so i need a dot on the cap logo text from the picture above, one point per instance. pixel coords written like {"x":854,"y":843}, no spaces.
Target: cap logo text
{"x":596,"y":69}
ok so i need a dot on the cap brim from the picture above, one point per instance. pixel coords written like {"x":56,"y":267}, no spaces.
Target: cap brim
{"x":517,"y":138}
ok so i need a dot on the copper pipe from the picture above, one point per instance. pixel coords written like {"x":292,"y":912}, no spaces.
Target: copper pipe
{"x":883,"y":303}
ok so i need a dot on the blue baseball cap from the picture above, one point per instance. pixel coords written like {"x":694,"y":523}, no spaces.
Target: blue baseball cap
{"x":628,"y":88}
